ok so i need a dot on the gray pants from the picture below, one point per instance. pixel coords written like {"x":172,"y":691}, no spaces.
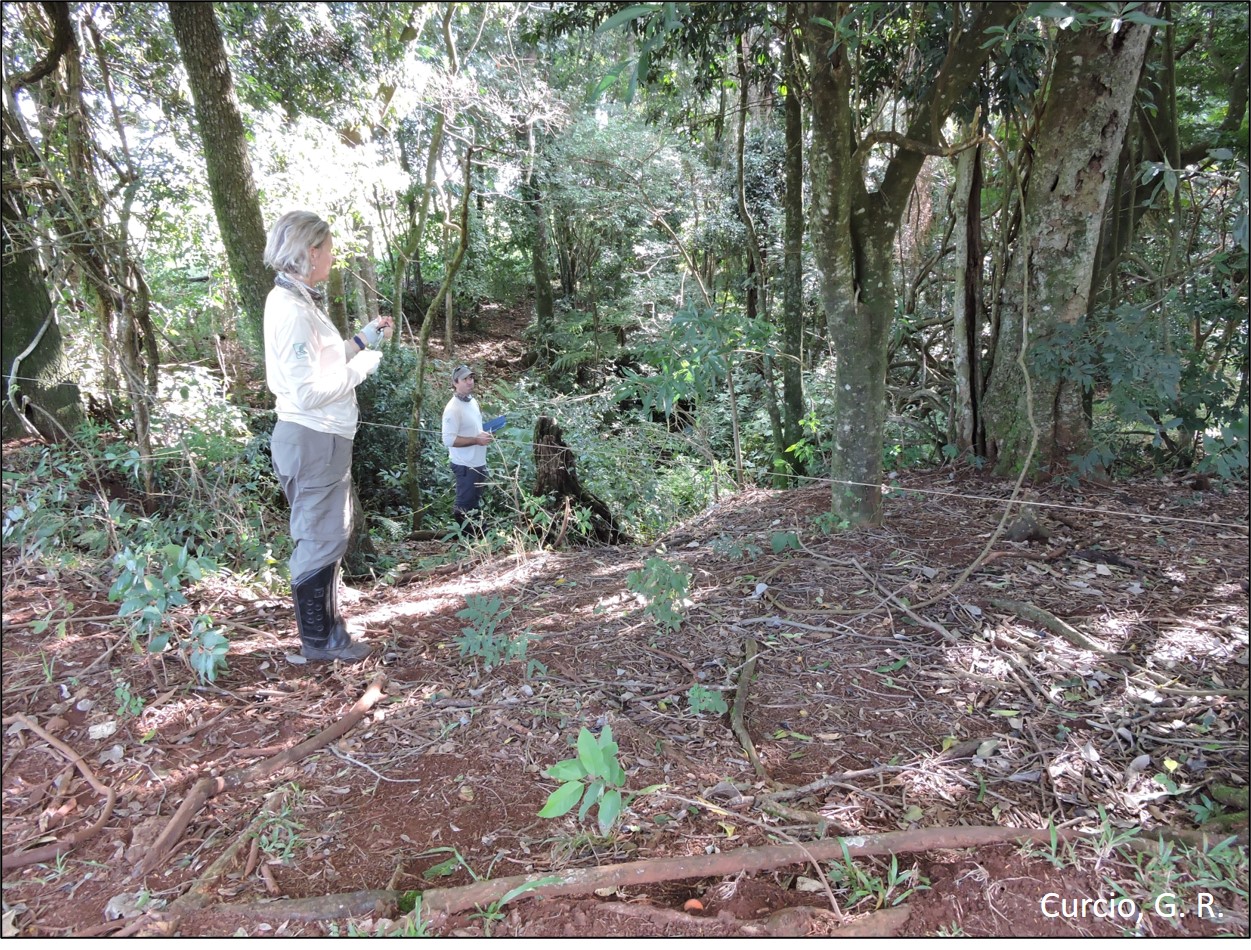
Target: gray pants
{"x":315,"y":472}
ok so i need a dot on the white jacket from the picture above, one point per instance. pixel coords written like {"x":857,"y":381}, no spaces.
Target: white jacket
{"x":463,"y":418}
{"x":306,"y":367}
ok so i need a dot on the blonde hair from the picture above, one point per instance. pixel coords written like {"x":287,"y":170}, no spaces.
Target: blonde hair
{"x":291,"y":237}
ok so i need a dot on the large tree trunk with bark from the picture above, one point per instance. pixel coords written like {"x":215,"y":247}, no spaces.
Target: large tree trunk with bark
{"x":853,"y":229}
{"x":32,"y":337}
{"x":1046,"y":295}
{"x":235,"y":200}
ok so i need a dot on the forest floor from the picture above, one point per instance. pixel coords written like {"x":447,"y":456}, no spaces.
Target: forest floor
{"x":893,"y":701}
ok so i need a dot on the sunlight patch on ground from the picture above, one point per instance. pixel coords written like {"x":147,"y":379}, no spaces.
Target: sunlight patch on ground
{"x":437,"y":598}
{"x":1186,"y":644}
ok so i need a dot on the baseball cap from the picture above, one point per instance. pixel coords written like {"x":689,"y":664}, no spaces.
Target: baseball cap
{"x":460,"y":373}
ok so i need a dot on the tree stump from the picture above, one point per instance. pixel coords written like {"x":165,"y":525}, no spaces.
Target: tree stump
{"x":557,"y":478}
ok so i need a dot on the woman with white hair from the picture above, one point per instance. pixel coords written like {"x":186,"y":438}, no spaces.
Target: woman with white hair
{"x":313,"y":374}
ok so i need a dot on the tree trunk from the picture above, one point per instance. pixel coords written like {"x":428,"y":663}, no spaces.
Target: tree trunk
{"x":966,"y":329}
{"x":360,"y":555}
{"x":336,"y":301}
{"x":556,"y":477}
{"x":32,"y":352}
{"x":369,"y":277}
{"x":412,"y":244}
{"x":412,"y":478}
{"x":33,"y":360}
{"x":1047,"y":291}
{"x":792,"y":262}
{"x":235,"y":200}
{"x":859,"y":350}
{"x":544,"y":308}
{"x":853,"y":230}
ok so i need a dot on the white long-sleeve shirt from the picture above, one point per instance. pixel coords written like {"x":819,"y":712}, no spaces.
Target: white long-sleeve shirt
{"x":306,"y":367}
{"x":463,"y":418}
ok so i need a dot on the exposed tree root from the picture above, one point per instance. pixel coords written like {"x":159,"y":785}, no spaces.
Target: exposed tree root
{"x":664,"y":916}
{"x":322,"y":907}
{"x":745,"y":677}
{"x":51,"y":852}
{"x":814,"y":922}
{"x":206,"y":788}
{"x":1057,"y":626}
{"x":440,"y":903}
{"x":164,"y":923}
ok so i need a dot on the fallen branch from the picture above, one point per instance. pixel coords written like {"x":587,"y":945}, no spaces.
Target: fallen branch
{"x":206,"y":788}
{"x":917,"y":618}
{"x":51,"y":852}
{"x":322,"y":907}
{"x":1228,"y":795}
{"x":1057,"y":626}
{"x":164,"y":923}
{"x":830,"y":781}
{"x":740,"y":702}
{"x":452,"y":900}
{"x":443,"y":902}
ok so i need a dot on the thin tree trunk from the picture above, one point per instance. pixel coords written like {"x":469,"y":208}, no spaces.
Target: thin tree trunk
{"x":966,"y":322}
{"x":336,"y":301}
{"x":412,"y":481}
{"x":792,"y":260}
{"x":544,"y":307}
{"x":369,"y":278}
{"x":235,"y":200}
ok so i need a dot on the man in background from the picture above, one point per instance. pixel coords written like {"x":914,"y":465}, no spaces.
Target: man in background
{"x":466,"y":444}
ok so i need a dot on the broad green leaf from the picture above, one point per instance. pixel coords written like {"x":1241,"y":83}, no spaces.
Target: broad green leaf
{"x":561,"y":800}
{"x":567,"y":770}
{"x":609,"y":811}
{"x":593,"y":793}
{"x":626,"y":15}
{"x":589,"y":753}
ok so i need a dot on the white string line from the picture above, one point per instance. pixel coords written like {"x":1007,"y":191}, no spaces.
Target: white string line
{"x":887,"y":489}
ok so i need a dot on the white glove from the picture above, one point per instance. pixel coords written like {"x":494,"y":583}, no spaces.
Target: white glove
{"x":374,"y":331}
{"x":366,"y":361}
{"x":371,"y":333}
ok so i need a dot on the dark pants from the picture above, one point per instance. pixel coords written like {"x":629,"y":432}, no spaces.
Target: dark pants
{"x":469,"y":482}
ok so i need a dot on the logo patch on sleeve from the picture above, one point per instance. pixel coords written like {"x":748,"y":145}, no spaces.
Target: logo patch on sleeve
{"x":301,"y":350}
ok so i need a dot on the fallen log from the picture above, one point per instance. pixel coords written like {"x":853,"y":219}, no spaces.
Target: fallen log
{"x":443,"y":902}
{"x":206,"y":788}
{"x":439,"y":904}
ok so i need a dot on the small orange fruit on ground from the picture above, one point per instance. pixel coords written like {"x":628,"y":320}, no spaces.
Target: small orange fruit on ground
{"x":693,"y":905}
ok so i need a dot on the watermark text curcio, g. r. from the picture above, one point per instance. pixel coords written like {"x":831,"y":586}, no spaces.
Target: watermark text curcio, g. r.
{"x":1167,"y":905}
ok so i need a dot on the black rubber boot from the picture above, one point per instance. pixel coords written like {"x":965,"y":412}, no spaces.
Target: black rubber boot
{"x":323,"y":634}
